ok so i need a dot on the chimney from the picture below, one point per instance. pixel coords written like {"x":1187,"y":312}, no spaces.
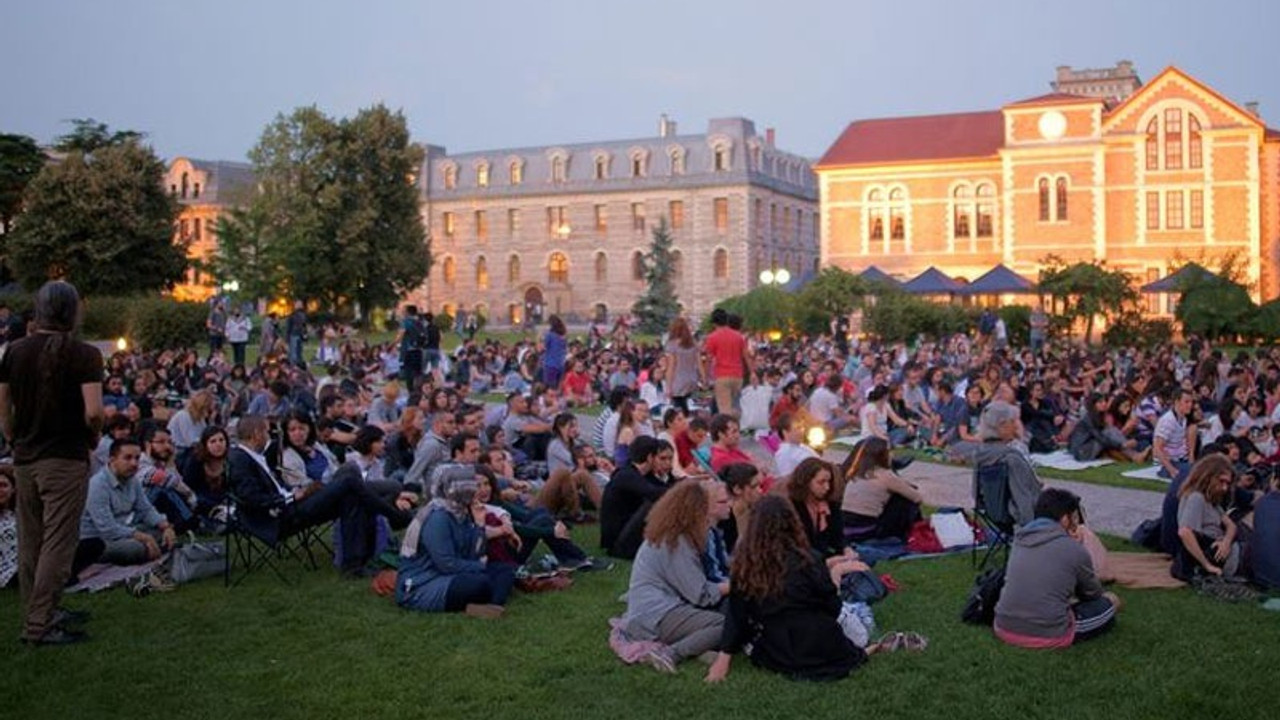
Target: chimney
{"x":1251,"y":107}
{"x":666,"y":127}
{"x":769,"y":135}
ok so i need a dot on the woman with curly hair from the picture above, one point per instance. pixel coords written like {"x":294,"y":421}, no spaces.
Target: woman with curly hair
{"x":670,"y":599}
{"x":812,"y":490}
{"x":1207,"y":533}
{"x":784,"y":605}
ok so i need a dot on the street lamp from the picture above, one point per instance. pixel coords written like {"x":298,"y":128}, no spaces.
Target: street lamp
{"x":231,"y":286}
{"x":775,"y":277}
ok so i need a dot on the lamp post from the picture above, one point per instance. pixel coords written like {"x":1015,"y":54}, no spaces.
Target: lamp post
{"x":778,"y":277}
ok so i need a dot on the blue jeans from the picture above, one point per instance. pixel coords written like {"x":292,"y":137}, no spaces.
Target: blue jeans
{"x":295,"y":349}
{"x":491,"y":587}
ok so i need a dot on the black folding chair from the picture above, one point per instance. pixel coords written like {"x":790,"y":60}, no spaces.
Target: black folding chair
{"x":991,"y":506}
{"x":252,"y":552}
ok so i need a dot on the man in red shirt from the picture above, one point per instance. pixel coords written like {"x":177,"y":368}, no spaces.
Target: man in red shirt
{"x":728,"y":360}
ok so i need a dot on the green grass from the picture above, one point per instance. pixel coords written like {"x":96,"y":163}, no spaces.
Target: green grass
{"x":1111,"y":475}
{"x":328,"y":648}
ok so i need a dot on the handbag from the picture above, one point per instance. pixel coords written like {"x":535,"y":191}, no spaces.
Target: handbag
{"x":196,"y":560}
{"x":862,"y":586}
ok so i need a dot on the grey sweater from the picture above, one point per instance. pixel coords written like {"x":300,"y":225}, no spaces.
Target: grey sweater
{"x":1047,"y":568}
{"x":663,"y":579}
{"x":1024,"y":484}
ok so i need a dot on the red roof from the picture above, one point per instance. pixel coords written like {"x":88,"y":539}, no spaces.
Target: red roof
{"x":1055,"y":98}
{"x":925,"y":137}
{"x":1271,"y":134}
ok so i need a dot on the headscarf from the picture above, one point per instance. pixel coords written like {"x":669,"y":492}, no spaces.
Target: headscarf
{"x":457,"y":489}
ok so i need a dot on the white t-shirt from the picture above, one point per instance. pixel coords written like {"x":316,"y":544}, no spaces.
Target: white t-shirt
{"x":823,"y":404}
{"x":790,"y":455}
{"x":1173,"y":430}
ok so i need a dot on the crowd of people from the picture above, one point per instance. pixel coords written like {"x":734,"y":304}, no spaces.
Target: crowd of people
{"x":475,"y":456}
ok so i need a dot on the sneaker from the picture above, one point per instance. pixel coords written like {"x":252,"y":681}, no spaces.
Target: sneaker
{"x":660,"y":659}
{"x":484,"y":612}
{"x":66,"y":616}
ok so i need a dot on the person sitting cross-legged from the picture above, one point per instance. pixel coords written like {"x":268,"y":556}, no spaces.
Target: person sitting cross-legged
{"x":118,"y":513}
{"x":1052,"y":597}
{"x":270,"y":509}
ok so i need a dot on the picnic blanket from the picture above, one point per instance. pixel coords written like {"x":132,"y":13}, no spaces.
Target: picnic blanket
{"x":1146,"y":473}
{"x":100,"y":576}
{"x":1062,"y":460}
{"x":1142,"y":571}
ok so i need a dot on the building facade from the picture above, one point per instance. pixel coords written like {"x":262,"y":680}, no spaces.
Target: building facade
{"x":204,"y":191}
{"x":1113,"y":84}
{"x":1175,"y":171}
{"x":518,"y":234}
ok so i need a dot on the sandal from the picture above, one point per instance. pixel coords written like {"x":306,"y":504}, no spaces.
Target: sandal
{"x":890,"y":642}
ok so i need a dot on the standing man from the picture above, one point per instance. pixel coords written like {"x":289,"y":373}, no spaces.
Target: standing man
{"x":295,"y":331}
{"x":431,"y":331}
{"x":216,"y":325}
{"x":409,"y":339}
{"x":727,"y":361}
{"x":1039,"y":329}
{"x":267,"y":344}
{"x":51,"y":417}
{"x":238,"y":327}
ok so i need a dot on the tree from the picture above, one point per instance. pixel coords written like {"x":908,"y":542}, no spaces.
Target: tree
{"x":102,"y":221}
{"x":20,"y":161}
{"x":765,"y":308}
{"x":658,"y":306}
{"x":244,"y":255}
{"x":1087,"y":290}
{"x":88,"y":135}
{"x":1216,"y":306}
{"x":835,"y":291}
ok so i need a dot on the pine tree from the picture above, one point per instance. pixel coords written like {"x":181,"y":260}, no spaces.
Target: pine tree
{"x":658,"y":306}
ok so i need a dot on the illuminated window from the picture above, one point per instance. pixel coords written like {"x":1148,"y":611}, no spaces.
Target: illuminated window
{"x":449,"y":271}
{"x":450,"y":224}
{"x":602,"y":219}
{"x":875,"y":214}
{"x":963,"y":209}
{"x":720,"y":264}
{"x":986,"y":210}
{"x":1153,"y":211}
{"x":558,"y":268}
{"x":675,"y":209}
{"x":1060,"y":193}
{"x":1044,"y":199}
{"x":1197,"y":208}
{"x":1173,"y":210}
{"x":602,"y":268}
{"x":637,"y":217}
{"x":482,"y":225}
{"x":557,"y":220}
{"x":897,"y":211}
{"x":513,"y":269}
{"x":482,"y":175}
{"x":482,"y":273}
{"x":721,"y":207}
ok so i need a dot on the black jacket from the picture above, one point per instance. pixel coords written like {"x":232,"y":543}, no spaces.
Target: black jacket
{"x":259,"y":504}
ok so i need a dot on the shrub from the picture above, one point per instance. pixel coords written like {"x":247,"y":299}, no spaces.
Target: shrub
{"x":1131,"y":329}
{"x":1017,"y":320}
{"x":159,"y":323}
{"x":899,"y":316}
{"x":444,"y":321}
{"x":107,"y":317}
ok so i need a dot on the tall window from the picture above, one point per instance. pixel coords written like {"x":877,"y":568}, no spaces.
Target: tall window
{"x":558,"y":268}
{"x":773,"y":219}
{"x":482,"y":225}
{"x":786,"y":221}
{"x":677,"y":162}
{"x":897,"y":215}
{"x":1195,"y":152}
{"x":637,"y":165}
{"x":450,"y":177}
{"x":1060,"y":195}
{"x":637,"y":217}
{"x":557,"y":170}
{"x":186,"y":181}
{"x":637,"y":266}
{"x":1153,"y":144}
{"x":513,"y":221}
{"x":1043,"y":187}
{"x":721,"y":162}
{"x":557,"y":220}
{"x":1153,"y":211}
{"x":875,"y":214}
{"x":675,"y":209}
{"x":195,"y":190}
{"x":602,"y":268}
{"x":720,"y":264}
{"x":449,"y":271}
{"x":450,"y":224}
{"x":1153,"y":299}
{"x":963,"y":222}
{"x":516,"y":172}
{"x":986,"y":210}
{"x":1197,"y":208}
{"x":602,"y":167}
{"x":602,"y":219}
{"x":482,"y":273}
{"x":482,"y":175}
{"x":195,"y":228}
{"x":183,"y":229}
{"x":721,"y":206}
{"x":1173,"y":210}
{"x":1173,"y":139}
{"x":513,"y":269}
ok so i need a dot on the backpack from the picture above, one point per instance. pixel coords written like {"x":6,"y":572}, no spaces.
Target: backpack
{"x":981,"y":607}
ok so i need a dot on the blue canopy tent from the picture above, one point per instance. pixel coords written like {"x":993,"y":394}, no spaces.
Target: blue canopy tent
{"x":933,"y":282}
{"x":875,"y":275}
{"x":1000,"y":280}
{"x":1176,"y":281}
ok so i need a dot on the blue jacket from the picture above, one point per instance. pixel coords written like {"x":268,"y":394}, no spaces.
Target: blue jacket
{"x":447,"y":547}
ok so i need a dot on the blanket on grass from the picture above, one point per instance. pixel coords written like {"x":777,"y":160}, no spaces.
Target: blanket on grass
{"x":1062,"y":460}
{"x":100,"y":576}
{"x":1146,"y":473}
{"x":1142,"y":571}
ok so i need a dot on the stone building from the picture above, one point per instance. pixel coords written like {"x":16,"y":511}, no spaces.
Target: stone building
{"x":1114,"y":84}
{"x":204,"y":190}
{"x":1175,"y":171}
{"x":520,"y":233}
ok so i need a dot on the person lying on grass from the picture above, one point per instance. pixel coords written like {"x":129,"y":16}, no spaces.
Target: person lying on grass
{"x":1052,"y":597}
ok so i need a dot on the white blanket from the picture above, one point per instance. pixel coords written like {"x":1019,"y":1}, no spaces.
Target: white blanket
{"x":1146,"y":473}
{"x":1062,"y":460}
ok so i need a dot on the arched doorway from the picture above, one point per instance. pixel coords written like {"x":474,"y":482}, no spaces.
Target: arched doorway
{"x":534,"y":305}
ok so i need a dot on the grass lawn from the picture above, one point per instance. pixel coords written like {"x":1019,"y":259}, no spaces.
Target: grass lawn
{"x":1103,"y":475}
{"x":329,"y":648}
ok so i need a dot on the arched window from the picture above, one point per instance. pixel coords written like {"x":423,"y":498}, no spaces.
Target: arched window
{"x":516,"y":172}
{"x":482,"y":175}
{"x":449,"y":271}
{"x":482,"y":273}
{"x":677,"y":162}
{"x":195,"y":190}
{"x":1173,"y":139}
{"x":637,"y":165}
{"x":1195,"y":152}
{"x":513,"y":269}
{"x":602,"y":268}
{"x":875,"y":225}
{"x":1044,"y":199}
{"x":450,"y":177}
{"x":558,"y":268}
{"x":602,"y":167}
{"x":1153,"y":144}
{"x":721,"y":159}
{"x":637,"y":266}
{"x":1060,"y":195}
{"x":963,"y":209}
{"x":557,"y":170}
{"x":986,"y":210}
{"x":184,"y":185}
{"x":720,"y":264}
{"x":897,"y":215}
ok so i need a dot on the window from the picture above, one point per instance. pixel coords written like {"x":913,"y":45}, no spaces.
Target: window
{"x":637,"y":165}
{"x":986,"y":210}
{"x":449,"y":271}
{"x":1153,"y":144}
{"x":482,"y":175}
{"x":195,"y":190}
{"x":1044,"y":199}
{"x":1060,"y":194}
{"x":558,"y":268}
{"x":721,"y":162}
{"x":875,"y":224}
{"x":773,"y":219}
{"x":183,"y":229}
{"x":675,"y":209}
{"x":721,"y":206}
{"x":602,"y":167}
{"x":1173,"y":210}
{"x":513,"y":269}
{"x":557,"y":170}
{"x":482,"y":273}
{"x":482,"y":225}
{"x":759,"y":215}
{"x":513,"y":221}
{"x":677,"y":162}
{"x":637,"y":217}
{"x":786,"y":222}
{"x":450,"y":224}
{"x":962,"y":226}
{"x":1173,"y":139}
{"x":602,"y":268}
{"x":1153,"y":211}
{"x":1195,"y":153}
{"x":185,"y":184}
{"x":602,"y":219}
{"x":637,"y":266}
{"x":1197,"y":209}
{"x":897,"y":221}
{"x":720,"y":264}
{"x":1153,"y":299}
{"x":557,"y":220}
{"x":516,"y":172}
{"x":450,"y":177}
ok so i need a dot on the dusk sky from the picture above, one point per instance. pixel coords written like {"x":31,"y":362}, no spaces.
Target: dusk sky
{"x":202,"y":79}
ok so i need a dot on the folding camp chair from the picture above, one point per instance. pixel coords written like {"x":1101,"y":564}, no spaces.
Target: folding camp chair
{"x":252,"y":552}
{"x":991,"y":506}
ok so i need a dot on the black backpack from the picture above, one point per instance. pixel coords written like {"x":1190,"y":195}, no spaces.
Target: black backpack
{"x":981,"y":607}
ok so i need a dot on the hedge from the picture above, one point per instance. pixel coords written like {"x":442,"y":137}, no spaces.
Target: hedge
{"x":152,"y":323}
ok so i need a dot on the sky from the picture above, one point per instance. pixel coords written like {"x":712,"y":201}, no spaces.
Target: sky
{"x":203,"y":79}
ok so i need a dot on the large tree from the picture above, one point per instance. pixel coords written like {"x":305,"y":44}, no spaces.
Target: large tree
{"x":88,"y":135}
{"x":20,"y":161}
{"x":336,"y":219}
{"x":1086,"y":290}
{"x":658,"y":306}
{"x":102,"y":220}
